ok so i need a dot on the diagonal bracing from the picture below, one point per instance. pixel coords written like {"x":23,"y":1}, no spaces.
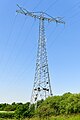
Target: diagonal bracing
{"x":41,"y":86}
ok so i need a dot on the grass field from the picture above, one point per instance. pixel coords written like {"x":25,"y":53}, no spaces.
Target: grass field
{"x":72,"y":117}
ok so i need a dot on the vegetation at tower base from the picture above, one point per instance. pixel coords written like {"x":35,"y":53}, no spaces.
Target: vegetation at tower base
{"x":66,"y":105}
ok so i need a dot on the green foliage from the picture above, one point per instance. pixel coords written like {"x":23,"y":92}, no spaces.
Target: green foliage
{"x":2,"y":106}
{"x":39,"y":103}
{"x":60,"y":105}
{"x":7,"y":115}
{"x":44,"y":111}
{"x":25,"y":111}
{"x":68,"y":117}
{"x":61,"y":117}
{"x":21,"y":111}
{"x":8,"y":107}
{"x":67,"y":104}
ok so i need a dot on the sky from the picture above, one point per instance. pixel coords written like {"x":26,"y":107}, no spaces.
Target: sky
{"x":19,"y":36}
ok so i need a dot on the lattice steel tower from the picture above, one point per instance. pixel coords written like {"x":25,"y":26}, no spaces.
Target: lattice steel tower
{"x":42,"y":86}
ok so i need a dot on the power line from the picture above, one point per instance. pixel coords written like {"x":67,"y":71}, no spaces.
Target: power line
{"x":56,"y":37}
{"x":33,"y":9}
{"x":11,"y":34}
{"x":21,"y":44}
{"x":7,"y":41}
{"x":37,"y":5}
{"x":49,"y":7}
{"x":28,"y":55}
{"x":14,"y":46}
{"x":27,"y":37}
{"x":74,"y":15}
{"x":12,"y":50}
{"x":41,"y":87}
{"x":70,"y":9}
{"x":26,"y":70}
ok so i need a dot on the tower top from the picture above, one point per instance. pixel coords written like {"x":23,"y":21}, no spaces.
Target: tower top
{"x":40,"y":15}
{"x":42,"y":87}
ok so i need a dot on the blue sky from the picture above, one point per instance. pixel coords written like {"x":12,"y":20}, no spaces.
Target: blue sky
{"x":18,"y":48}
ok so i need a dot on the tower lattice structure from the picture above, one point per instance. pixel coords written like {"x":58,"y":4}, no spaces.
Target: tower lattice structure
{"x":41,"y":87}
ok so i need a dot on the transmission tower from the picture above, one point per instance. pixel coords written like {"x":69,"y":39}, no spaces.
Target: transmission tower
{"x":42,"y":86}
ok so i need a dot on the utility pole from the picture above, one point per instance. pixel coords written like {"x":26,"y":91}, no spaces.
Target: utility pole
{"x":41,"y":87}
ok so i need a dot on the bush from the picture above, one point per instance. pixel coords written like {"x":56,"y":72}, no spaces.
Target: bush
{"x":7,"y":115}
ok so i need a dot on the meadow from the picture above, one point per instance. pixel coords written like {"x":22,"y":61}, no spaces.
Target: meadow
{"x":70,"y":117}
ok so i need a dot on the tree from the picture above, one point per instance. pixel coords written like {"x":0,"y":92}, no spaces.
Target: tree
{"x":44,"y":111}
{"x":24,"y":111}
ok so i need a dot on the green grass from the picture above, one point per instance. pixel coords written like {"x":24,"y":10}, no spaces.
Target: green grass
{"x":6,"y":111}
{"x":69,"y":117}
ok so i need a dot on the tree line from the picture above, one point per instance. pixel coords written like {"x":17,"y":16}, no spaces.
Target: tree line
{"x":66,"y":104}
